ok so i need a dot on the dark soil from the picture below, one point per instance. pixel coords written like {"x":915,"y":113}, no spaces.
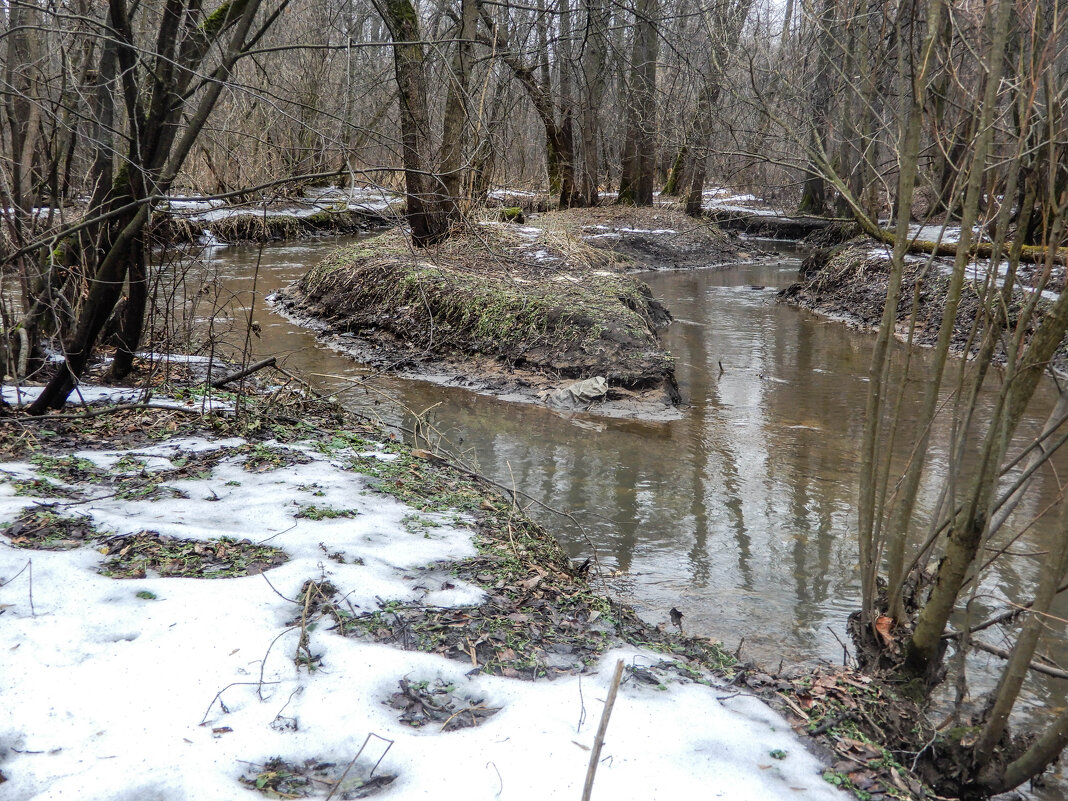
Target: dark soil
{"x":244,"y":227}
{"x":534,"y":310}
{"x":771,"y":226}
{"x":849,"y":283}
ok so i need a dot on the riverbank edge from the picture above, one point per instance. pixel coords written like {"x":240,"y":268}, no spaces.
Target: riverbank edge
{"x":848,"y":284}
{"x":249,"y":227}
{"x":838,"y":712}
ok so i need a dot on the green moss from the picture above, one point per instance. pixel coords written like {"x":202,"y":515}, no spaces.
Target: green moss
{"x":313,"y":512}
{"x":224,"y":15}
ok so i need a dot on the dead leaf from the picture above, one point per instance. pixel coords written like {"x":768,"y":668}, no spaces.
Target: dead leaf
{"x":531,"y":582}
{"x":883,"y":624}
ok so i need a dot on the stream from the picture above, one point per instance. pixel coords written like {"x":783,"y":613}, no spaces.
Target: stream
{"x":741,"y":514}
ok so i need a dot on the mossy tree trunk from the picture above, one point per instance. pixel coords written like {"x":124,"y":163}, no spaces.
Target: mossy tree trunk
{"x":723,"y":28}
{"x":814,"y":188}
{"x":559,"y":139}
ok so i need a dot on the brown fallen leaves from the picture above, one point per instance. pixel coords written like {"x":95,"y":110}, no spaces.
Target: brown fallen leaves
{"x":849,"y":713}
{"x":133,"y":555}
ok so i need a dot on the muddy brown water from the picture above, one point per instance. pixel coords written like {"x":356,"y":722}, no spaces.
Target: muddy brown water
{"x":741,"y":514}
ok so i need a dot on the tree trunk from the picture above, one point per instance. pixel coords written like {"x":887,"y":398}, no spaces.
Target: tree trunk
{"x":639,"y":150}
{"x":457,"y":113}
{"x":424,"y":194}
{"x":814,"y":189}
{"x":593,"y":74}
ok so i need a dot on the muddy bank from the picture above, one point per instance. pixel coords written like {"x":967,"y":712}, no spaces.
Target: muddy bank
{"x":516,"y":311}
{"x":244,"y":227}
{"x":766,"y":223}
{"x":849,"y":284}
{"x":646,"y":238}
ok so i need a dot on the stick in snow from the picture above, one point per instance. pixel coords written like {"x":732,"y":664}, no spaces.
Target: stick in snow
{"x":598,"y":741}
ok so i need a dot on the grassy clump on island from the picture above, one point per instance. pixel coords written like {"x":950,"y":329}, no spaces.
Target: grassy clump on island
{"x":531,"y":299}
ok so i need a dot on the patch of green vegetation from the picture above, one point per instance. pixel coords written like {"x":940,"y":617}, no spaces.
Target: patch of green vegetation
{"x":278,"y":778}
{"x":338,"y":441}
{"x":313,"y":512}
{"x":778,"y":753}
{"x":72,"y":469}
{"x":418,"y":483}
{"x":129,"y":464}
{"x":43,"y":488}
{"x":132,"y":556}
{"x":261,"y":458}
{"x":418,"y":524}
{"x":147,"y":595}
{"x":843,"y":782}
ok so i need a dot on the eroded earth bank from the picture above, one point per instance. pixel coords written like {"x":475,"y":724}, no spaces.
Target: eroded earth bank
{"x":541,"y":313}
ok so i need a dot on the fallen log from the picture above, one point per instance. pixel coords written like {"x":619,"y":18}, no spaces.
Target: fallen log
{"x":219,"y":383}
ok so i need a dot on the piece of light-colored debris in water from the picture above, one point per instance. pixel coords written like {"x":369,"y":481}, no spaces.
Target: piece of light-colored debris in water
{"x":577,"y":395}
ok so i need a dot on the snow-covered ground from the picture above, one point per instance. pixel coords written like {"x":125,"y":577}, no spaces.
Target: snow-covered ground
{"x":316,"y":200}
{"x":175,"y":688}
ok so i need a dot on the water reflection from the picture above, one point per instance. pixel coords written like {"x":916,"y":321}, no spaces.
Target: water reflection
{"x":741,"y":513}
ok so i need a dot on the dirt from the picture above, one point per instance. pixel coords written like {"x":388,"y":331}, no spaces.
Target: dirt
{"x":849,"y":283}
{"x":646,"y":238}
{"x":516,"y":311}
{"x":243,"y":227}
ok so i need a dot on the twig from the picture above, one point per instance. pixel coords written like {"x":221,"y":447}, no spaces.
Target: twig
{"x":218,"y":696}
{"x":263,"y":663}
{"x":297,"y":691}
{"x":29,"y":564}
{"x":499,"y":779}
{"x":276,"y":592}
{"x":845,"y":648}
{"x":598,"y":741}
{"x":1038,"y":667}
{"x":24,"y":568}
{"x":366,"y":740}
{"x":582,"y":707}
